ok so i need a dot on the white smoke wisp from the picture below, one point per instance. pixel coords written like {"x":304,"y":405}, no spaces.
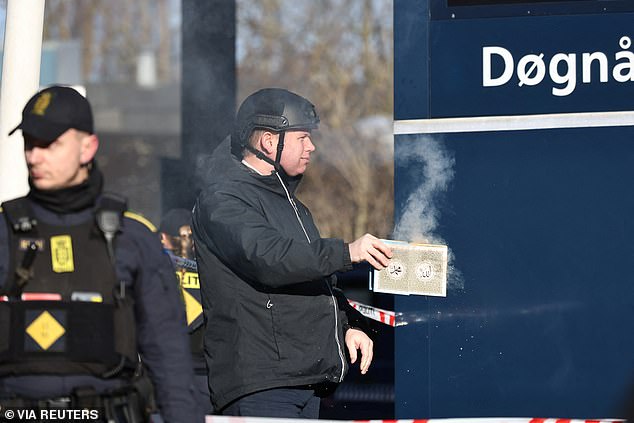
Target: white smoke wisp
{"x":429,"y":162}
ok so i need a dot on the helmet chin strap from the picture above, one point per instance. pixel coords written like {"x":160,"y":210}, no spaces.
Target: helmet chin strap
{"x":278,"y":156}
{"x":280,"y":147}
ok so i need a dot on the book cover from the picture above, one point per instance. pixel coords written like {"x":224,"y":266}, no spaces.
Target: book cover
{"x":415,"y":269}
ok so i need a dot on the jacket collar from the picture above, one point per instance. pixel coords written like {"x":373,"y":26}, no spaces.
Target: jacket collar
{"x":224,"y":166}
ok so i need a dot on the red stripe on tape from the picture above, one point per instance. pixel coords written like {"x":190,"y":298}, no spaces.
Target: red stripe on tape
{"x":374,"y":313}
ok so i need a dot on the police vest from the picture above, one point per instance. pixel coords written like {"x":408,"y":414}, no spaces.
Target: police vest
{"x":72,"y":316}
{"x":190,"y":287}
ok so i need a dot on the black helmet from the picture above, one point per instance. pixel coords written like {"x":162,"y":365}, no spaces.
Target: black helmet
{"x":275,"y":109}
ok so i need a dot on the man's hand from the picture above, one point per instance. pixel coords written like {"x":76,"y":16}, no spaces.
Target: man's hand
{"x":371,"y":249}
{"x":357,"y":340}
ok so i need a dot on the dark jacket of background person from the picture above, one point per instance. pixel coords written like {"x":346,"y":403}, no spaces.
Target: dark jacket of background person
{"x":160,"y":330}
{"x":271,"y":316}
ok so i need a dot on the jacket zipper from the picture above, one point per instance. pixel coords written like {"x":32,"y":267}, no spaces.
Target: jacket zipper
{"x":332,"y":296}
{"x":290,"y":200}
{"x":339,"y":349}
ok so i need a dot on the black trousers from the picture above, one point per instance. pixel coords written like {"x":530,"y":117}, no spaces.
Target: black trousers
{"x":299,"y":403}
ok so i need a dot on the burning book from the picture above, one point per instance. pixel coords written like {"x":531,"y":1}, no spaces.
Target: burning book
{"x":415,"y":269}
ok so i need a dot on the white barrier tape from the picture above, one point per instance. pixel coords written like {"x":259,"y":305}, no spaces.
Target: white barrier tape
{"x":228,"y":419}
{"x":374,"y":313}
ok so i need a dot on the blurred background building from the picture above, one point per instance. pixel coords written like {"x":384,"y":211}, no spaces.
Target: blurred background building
{"x":337,"y":53}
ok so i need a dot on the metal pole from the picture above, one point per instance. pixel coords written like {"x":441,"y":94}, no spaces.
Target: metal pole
{"x":208,"y":94}
{"x":20,"y":80}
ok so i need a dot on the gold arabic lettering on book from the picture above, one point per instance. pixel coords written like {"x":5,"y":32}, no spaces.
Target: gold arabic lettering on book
{"x":415,"y":269}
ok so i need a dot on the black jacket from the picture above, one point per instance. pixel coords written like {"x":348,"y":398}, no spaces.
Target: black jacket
{"x":271,"y":317}
{"x":161,"y":332}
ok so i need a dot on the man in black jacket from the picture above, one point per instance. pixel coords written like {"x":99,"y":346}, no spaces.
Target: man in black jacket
{"x":276,"y":327}
{"x":85,"y":287}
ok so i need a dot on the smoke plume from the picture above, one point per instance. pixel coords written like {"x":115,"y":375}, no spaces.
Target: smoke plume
{"x":430,"y":165}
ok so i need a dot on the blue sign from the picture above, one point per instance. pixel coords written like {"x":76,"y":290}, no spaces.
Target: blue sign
{"x":531,"y":65}
{"x":537,"y":321}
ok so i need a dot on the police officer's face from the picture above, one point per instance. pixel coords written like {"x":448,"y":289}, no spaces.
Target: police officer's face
{"x":59,"y":164}
{"x":296,"y":153}
{"x":187,"y":242}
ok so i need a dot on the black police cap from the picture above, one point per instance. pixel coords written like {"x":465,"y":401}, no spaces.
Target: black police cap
{"x":54,"y":110}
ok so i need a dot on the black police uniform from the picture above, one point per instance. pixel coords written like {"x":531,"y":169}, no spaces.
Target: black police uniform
{"x":75,"y":329}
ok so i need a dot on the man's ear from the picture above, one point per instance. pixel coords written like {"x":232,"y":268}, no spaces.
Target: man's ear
{"x":268,"y":142}
{"x":89,"y":146}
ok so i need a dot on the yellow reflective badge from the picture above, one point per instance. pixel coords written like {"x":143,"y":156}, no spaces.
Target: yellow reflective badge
{"x":190,"y":286}
{"x":189,"y":280}
{"x":45,"y":330}
{"x":193,"y":309}
{"x":62,"y":254}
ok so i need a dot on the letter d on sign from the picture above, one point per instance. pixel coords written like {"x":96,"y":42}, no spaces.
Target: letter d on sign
{"x":487,"y":79}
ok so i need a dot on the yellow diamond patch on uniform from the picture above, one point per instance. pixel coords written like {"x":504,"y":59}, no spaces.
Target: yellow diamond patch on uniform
{"x":192,"y":307}
{"x":45,"y":330}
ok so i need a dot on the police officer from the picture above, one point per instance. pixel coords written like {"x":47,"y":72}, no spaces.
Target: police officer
{"x":176,"y":237}
{"x":176,"y":232}
{"x":88,"y":297}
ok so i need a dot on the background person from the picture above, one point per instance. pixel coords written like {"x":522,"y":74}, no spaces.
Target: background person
{"x":88,"y":282}
{"x":276,"y":329}
{"x":176,"y":232}
{"x":176,"y":236}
